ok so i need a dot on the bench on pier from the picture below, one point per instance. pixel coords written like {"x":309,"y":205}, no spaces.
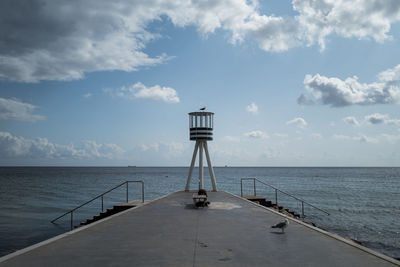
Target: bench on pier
{"x":200,"y":198}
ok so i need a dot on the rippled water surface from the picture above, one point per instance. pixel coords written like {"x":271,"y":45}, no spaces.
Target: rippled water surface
{"x":364,"y":203}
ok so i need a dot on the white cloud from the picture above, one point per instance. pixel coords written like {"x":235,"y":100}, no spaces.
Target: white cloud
{"x":88,"y":95}
{"x":14,"y":109}
{"x":105,"y":35}
{"x":363,"y":19}
{"x":339,"y":93}
{"x":281,"y":135}
{"x":63,"y":40}
{"x":351,"y":120}
{"x":275,"y":34}
{"x":269,"y":153}
{"x":154,"y":146}
{"x":341,"y":136}
{"x":391,"y":138}
{"x":139,"y":90}
{"x":229,"y":138}
{"x":256,"y":134}
{"x":378,"y":118}
{"x":18,"y":147}
{"x":360,"y":138}
{"x":390,"y":76}
{"x":109,"y":151}
{"x":304,"y":100}
{"x":299,"y":122}
{"x":366,"y":139}
{"x":157,"y":92}
{"x":316,"y":136}
{"x":252,"y":108}
{"x":165,"y":149}
{"x":113,"y":35}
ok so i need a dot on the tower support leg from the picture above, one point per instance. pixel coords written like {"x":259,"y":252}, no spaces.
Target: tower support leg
{"x":210,"y":167}
{"x":196,"y":147}
{"x":201,"y":165}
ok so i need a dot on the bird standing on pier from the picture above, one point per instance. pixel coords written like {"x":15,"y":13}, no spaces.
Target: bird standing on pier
{"x":282,"y":225}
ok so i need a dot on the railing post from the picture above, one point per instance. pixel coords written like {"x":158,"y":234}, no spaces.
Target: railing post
{"x":72,"y":226}
{"x":241,"y":187}
{"x":127,"y":192}
{"x":102,"y":203}
{"x":302,"y":209}
{"x":276,"y":197}
{"x":254,"y":184}
{"x":142,"y":192}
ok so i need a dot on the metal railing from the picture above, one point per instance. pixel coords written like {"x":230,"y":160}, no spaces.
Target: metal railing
{"x":102,"y":200}
{"x":276,"y":194}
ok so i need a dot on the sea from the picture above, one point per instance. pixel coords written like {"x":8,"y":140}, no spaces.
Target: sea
{"x":364,"y":203}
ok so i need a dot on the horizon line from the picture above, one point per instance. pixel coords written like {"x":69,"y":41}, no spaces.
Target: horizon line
{"x":149,"y":166}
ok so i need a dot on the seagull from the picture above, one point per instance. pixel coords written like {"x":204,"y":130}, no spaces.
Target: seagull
{"x":282,"y":225}
{"x":202,"y":109}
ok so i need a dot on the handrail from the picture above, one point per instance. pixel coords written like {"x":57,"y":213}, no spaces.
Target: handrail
{"x":276,"y":194}
{"x":102,"y":200}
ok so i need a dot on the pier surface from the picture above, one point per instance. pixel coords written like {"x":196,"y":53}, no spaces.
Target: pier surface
{"x":171,"y":232}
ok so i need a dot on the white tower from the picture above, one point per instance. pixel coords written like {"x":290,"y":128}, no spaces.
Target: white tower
{"x":201,"y":130}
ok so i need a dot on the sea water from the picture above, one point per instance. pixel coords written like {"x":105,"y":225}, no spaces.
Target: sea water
{"x":364,"y":203}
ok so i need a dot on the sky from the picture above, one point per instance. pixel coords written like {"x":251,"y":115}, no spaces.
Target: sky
{"x":111,"y":83}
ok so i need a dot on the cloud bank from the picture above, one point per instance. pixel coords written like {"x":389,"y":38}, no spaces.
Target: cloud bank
{"x":14,"y":109}
{"x":166,"y":149}
{"x":335,"y":92}
{"x":372,"y":119}
{"x":63,"y":40}
{"x":40,"y":148}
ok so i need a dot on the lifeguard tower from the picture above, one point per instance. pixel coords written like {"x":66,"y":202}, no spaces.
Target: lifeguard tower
{"x":201,"y":130}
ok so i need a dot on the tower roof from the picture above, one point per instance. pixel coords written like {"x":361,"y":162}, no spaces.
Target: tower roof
{"x":201,"y":113}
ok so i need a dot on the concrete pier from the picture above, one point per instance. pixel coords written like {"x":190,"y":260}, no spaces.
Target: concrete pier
{"x":171,"y":232}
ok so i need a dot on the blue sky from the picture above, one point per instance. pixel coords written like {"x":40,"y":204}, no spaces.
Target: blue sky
{"x":291,"y":83}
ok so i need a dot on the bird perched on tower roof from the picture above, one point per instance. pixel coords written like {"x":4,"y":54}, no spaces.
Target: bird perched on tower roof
{"x":203,"y":108}
{"x":282,"y":225}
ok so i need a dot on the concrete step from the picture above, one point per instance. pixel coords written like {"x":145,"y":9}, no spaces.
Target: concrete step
{"x":110,"y":211}
{"x":268,"y":203}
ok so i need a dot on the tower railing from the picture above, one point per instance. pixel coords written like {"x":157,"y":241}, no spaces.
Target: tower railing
{"x":71,"y":212}
{"x":276,"y":194}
